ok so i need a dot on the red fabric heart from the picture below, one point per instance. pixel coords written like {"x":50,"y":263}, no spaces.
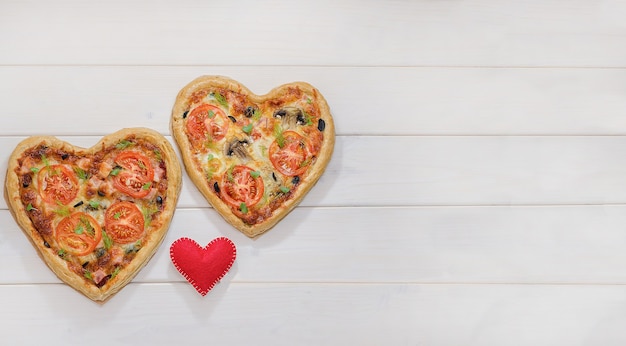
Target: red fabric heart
{"x":203,"y":267}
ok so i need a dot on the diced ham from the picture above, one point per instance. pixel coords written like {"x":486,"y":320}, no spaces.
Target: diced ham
{"x":27,"y":165}
{"x":94,"y":185}
{"x":159,"y":172}
{"x":117,"y":255}
{"x":98,"y":275}
{"x":84,"y":163}
{"x":104,"y":169}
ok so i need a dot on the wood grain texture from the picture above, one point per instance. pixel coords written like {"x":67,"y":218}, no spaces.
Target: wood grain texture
{"x":97,"y":100}
{"x":546,"y":245}
{"x":329,"y":314}
{"x":489,"y":210}
{"x":349,"y":33}
{"x":452,"y":170}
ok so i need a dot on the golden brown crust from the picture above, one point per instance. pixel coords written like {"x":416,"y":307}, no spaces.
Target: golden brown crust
{"x":178,"y":131}
{"x":56,"y":263}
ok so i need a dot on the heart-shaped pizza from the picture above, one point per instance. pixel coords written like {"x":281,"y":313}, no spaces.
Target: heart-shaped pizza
{"x":97,"y":215}
{"x":252,"y":157}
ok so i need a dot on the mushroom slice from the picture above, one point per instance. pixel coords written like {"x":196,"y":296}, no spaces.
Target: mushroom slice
{"x":237,"y":147}
{"x":290,"y":116}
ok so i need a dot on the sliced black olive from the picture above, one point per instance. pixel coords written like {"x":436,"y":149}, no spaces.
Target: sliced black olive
{"x":159,"y":200}
{"x":64,"y":156}
{"x":45,"y":243}
{"x":185,"y":114}
{"x":132,"y":249}
{"x":295,"y":180}
{"x":85,"y":264}
{"x":232,"y":118}
{"x":101,"y":193}
{"x":26,"y":180}
{"x":216,"y":187}
{"x":78,"y":204}
{"x":249,"y":112}
{"x":321,"y":125}
{"x":274,"y":176}
{"x":100,"y":252}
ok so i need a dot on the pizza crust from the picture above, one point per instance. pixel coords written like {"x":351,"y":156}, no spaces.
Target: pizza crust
{"x":57,"y":264}
{"x":178,"y":131}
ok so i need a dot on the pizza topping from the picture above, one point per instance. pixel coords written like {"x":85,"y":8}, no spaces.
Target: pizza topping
{"x":135,"y":176}
{"x":250,"y":111}
{"x":26,"y":180}
{"x":321,"y":125}
{"x":238,"y":148}
{"x":206,"y":123}
{"x":291,"y":116}
{"x":238,"y":186}
{"x":81,"y":173}
{"x":247,"y":129}
{"x":220,"y":99}
{"x":99,"y":277}
{"x":292,"y":158}
{"x":315,"y":139}
{"x":78,"y":233}
{"x":124,"y":222}
{"x":57,"y":183}
{"x":148,"y":213}
{"x":123,"y":144}
{"x":115,"y":171}
{"x":278,"y":134}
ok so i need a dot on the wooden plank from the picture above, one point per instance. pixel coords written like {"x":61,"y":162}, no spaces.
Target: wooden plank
{"x":565,"y":245}
{"x":327,"y":314}
{"x":347,"y":33}
{"x":458,"y":170}
{"x":422,"y":101}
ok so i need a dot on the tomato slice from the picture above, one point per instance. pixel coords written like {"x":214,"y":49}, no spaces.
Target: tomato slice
{"x":239,"y":186}
{"x":292,"y":158}
{"x":78,"y":233}
{"x":135,"y":178}
{"x":206,"y":122}
{"x":123,"y":222}
{"x":57,"y":184}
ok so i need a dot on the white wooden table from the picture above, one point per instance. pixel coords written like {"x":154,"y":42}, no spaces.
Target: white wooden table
{"x":476,"y":196}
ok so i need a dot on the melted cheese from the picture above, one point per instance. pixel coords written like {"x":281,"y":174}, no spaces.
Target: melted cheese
{"x":259,"y":139}
{"x":88,"y":193}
